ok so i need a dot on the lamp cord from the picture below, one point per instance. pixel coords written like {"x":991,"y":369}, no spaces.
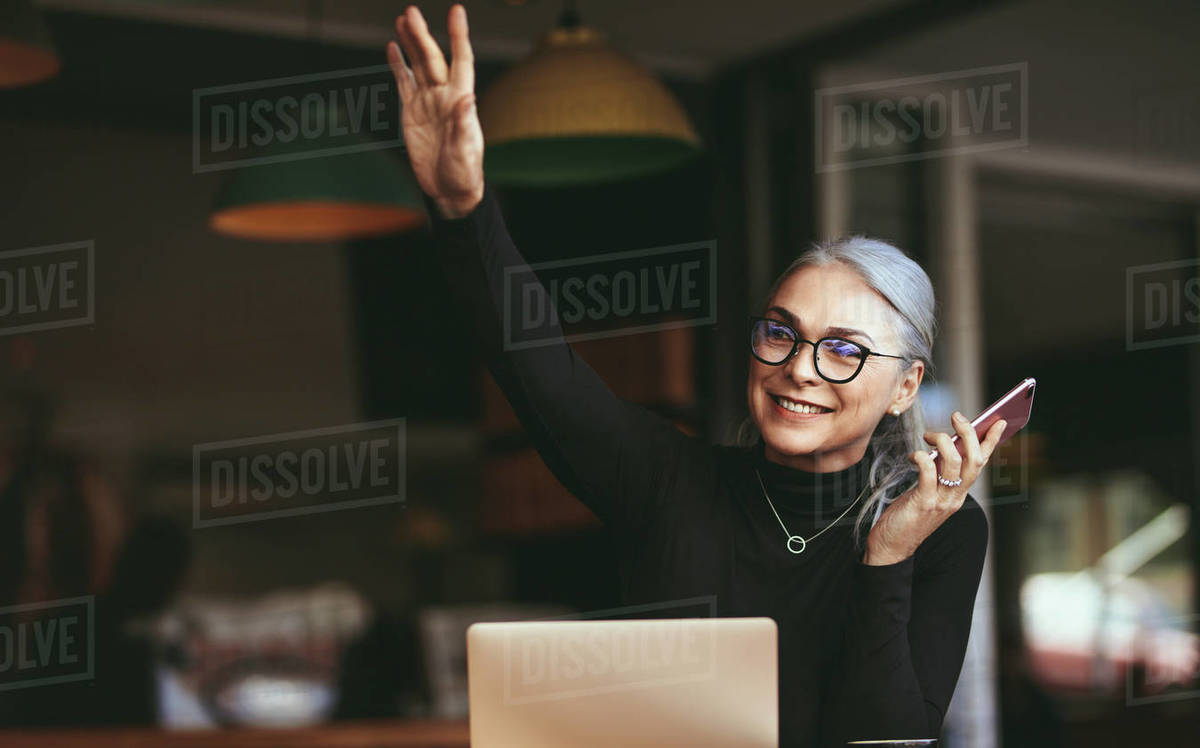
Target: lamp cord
{"x":569,"y":18}
{"x":314,"y":20}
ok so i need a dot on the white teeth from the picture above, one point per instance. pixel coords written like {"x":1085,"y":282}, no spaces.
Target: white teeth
{"x":798,"y":407}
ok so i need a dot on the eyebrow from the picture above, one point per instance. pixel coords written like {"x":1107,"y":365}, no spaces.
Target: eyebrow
{"x":792,"y":320}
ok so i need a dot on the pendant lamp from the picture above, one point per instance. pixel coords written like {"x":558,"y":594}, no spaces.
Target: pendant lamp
{"x":300,"y":197}
{"x":576,"y":111}
{"x":305,"y":194}
{"x":323,"y":199}
{"x":27,"y":55}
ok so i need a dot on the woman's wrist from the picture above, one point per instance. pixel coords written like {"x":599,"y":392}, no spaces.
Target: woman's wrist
{"x":454,"y":208}
{"x":882,"y":557}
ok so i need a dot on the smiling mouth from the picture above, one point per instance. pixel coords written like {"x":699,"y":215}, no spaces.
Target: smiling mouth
{"x":798,"y":407}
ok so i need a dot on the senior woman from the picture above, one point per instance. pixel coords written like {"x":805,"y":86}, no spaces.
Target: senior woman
{"x":873,"y":607}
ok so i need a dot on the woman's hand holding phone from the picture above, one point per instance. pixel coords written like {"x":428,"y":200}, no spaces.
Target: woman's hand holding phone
{"x":1015,"y":407}
{"x":958,"y":459}
{"x":916,"y":513}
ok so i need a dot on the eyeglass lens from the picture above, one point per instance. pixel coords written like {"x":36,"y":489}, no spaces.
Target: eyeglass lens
{"x":836,"y":358}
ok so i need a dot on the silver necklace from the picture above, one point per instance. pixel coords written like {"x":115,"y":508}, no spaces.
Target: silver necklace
{"x":792,"y":538}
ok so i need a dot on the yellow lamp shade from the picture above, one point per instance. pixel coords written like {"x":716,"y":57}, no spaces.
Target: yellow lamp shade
{"x":576,"y":111}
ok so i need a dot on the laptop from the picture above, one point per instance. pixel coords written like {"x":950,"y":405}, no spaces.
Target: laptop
{"x":661,"y":682}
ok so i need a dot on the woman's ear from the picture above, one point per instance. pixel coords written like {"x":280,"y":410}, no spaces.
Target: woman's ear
{"x":909,"y":387}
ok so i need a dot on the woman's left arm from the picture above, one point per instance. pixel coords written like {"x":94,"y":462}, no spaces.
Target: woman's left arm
{"x":906,"y":636}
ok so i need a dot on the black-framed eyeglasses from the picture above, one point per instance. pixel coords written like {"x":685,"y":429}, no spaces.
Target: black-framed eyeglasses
{"x":836,"y":360}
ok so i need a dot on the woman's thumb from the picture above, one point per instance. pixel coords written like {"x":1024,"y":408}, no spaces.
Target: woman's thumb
{"x":464,"y":108}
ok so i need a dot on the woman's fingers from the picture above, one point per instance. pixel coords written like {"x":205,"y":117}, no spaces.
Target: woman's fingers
{"x":948,"y":453}
{"x":412,"y":52}
{"x":969,"y":438}
{"x":404,"y":80}
{"x":462,"y":58}
{"x":992,"y":439}
{"x":432,"y":63}
{"x":926,"y":474}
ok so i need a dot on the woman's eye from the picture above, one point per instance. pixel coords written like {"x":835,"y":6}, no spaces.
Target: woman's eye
{"x":777,"y":332}
{"x":843,"y":348}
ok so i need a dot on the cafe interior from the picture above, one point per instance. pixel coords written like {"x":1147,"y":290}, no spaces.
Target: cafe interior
{"x":216,"y":292}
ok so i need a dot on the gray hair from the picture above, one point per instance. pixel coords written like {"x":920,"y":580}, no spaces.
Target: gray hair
{"x":906,"y":287}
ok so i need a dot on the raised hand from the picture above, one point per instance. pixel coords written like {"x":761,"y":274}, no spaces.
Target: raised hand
{"x":439,"y":119}
{"x":915,"y":514}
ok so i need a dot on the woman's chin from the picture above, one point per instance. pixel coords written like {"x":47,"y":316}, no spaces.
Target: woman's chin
{"x":786,"y":441}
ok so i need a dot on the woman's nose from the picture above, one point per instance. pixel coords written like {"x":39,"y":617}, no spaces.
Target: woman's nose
{"x":802,"y":366}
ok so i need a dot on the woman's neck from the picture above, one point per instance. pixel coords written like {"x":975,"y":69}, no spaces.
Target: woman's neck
{"x":808,"y":491}
{"x":818,"y":462}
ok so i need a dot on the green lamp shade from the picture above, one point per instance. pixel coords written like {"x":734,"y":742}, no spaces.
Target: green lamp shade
{"x":27,"y":55}
{"x":575,"y":160}
{"x":576,"y":111}
{"x":324,"y":198}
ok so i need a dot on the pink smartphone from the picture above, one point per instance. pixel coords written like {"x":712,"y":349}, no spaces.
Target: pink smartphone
{"x":1014,"y":408}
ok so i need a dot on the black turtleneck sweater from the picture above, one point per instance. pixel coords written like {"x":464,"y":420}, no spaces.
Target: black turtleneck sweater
{"x":865,"y":652}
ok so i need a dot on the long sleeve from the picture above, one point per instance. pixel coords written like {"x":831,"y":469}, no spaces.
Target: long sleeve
{"x":618,"y":457}
{"x":906,"y":636}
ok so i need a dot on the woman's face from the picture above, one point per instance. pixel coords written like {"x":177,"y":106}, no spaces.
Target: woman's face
{"x":820,"y":301}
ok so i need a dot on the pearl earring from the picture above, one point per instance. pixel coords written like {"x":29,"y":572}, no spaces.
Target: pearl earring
{"x":895,"y":411}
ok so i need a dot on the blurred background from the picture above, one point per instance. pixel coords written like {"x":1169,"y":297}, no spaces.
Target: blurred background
{"x":231,"y":298}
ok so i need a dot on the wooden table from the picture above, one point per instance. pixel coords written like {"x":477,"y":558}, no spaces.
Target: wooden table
{"x":380,"y":734}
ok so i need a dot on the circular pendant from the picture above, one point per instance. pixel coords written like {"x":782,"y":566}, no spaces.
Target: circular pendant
{"x":802,"y":544}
